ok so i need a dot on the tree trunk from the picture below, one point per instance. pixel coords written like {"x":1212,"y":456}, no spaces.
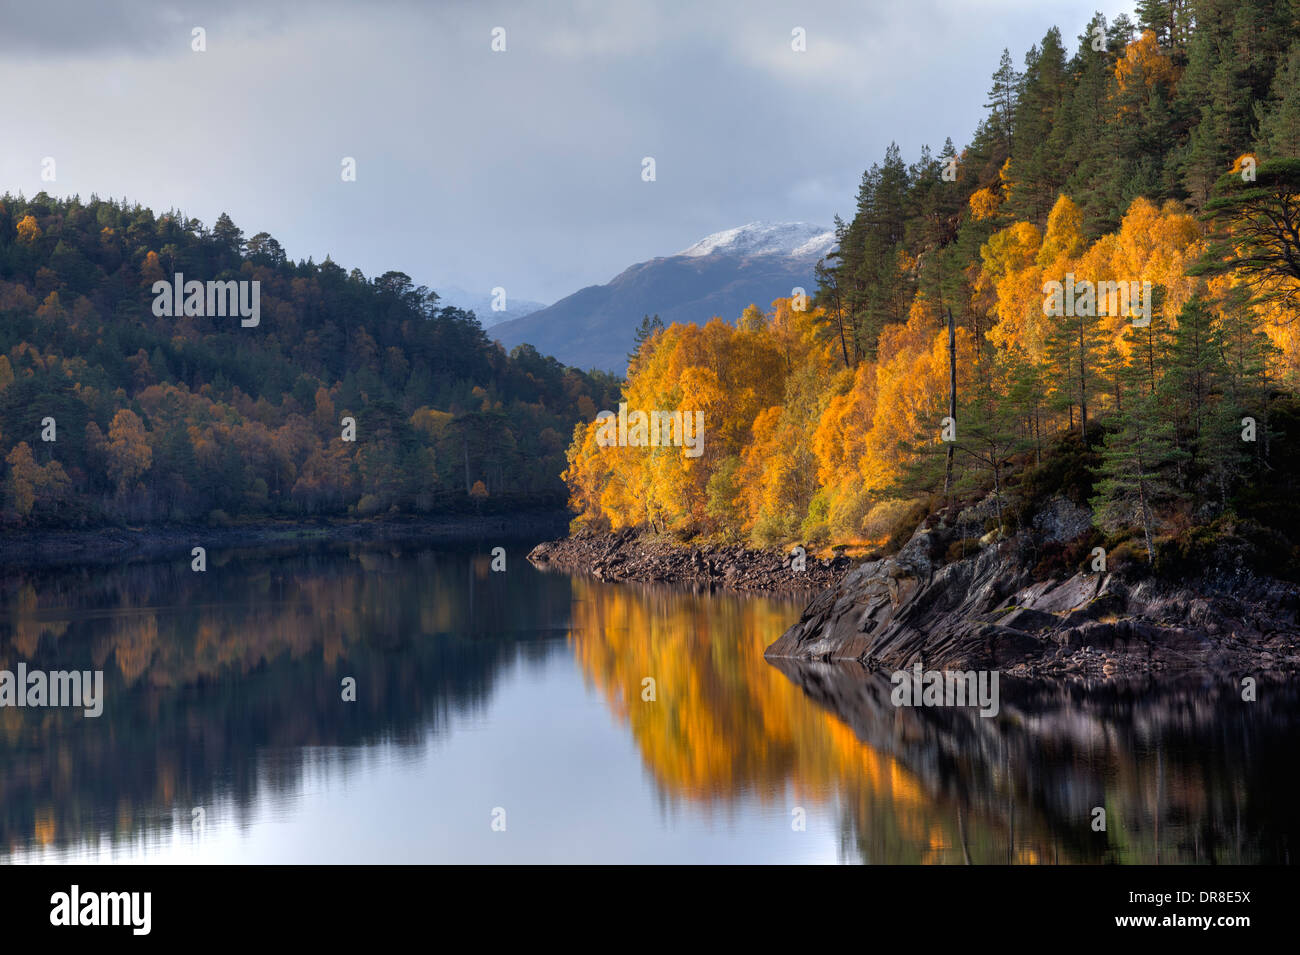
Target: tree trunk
{"x":952,"y":400}
{"x":465,"y":443}
{"x":1083,"y":389}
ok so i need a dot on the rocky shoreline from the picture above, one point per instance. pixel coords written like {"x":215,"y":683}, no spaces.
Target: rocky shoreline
{"x":631,"y":556}
{"x":987,"y":612}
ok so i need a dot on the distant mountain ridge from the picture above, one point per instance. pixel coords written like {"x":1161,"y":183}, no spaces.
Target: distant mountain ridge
{"x":719,"y":275}
{"x":480,"y":303}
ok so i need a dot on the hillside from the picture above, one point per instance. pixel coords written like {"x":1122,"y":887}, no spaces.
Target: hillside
{"x":332,"y":394}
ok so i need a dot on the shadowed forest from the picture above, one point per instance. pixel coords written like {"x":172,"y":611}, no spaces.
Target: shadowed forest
{"x":198,"y":418}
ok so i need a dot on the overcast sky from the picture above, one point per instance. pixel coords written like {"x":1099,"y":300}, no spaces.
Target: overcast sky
{"x":519,"y":169}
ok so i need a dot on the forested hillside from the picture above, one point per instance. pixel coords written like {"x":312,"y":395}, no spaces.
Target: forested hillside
{"x":1160,"y":150}
{"x":109,"y":412}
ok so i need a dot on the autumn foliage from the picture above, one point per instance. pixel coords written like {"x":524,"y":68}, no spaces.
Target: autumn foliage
{"x":192,"y":418}
{"x":799,"y":447}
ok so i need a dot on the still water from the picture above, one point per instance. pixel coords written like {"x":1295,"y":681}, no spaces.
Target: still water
{"x":499,"y":717}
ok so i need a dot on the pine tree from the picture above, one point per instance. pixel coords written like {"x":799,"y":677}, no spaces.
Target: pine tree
{"x":882,"y":290}
{"x":1279,"y":115}
{"x":988,"y":435}
{"x":1188,"y":391}
{"x":1248,"y":355}
{"x":1036,"y":159}
{"x":1137,"y":458}
{"x":1003,"y":97}
{"x":1256,"y":231}
{"x":1073,"y":350}
{"x":1086,"y":119}
{"x":1169,"y":20}
{"x":644,"y":332}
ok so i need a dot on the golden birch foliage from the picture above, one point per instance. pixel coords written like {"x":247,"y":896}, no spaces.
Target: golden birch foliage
{"x":780,"y":467}
{"x":1012,"y":274}
{"x":28,"y":229}
{"x":129,"y":454}
{"x":766,"y":442}
{"x":729,"y":374}
{"x":840,"y":445}
{"x":984,"y":203}
{"x":29,"y":483}
{"x":1063,"y":240}
{"x":1153,"y":245}
{"x":911,"y":393}
{"x":1144,"y":65}
{"x":585,"y":477}
{"x":840,"y":439}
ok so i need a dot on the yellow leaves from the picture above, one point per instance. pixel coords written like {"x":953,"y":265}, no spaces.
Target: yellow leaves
{"x":911,"y":393}
{"x":1011,"y":249}
{"x":29,"y":484}
{"x":840,"y":439}
{"x":129,"y":454}
{"x":28,"y":229}
{"x":984,"y":203}
{"x":433,"y":423}
{"x":51,"y":310}
{"x":20,"y":487}
{"x":1013,"y":277}
{"x":1144,"y":65}
{"x":1153,"y":244}
{"x":796,"y":445}
{"x":1009,"y":185}
{"x":1063,"y":240}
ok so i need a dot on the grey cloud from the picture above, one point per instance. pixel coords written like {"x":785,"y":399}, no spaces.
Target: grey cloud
{"x":478,"y":169}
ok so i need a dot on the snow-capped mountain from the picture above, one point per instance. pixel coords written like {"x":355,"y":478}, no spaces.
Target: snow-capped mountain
{"x":796,"y":239}
{"x":595,"y":327}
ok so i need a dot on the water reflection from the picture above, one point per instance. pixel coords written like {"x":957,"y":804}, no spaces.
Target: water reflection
{"x":527,"y":689}
{"x":1186,"y":770}
{"x":202,"y":671}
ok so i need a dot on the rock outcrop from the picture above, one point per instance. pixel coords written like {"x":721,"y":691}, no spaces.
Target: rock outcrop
{"x":987,"y":612}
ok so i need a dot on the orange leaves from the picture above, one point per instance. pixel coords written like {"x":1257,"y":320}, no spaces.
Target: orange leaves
{"x":1144,"y":65}
{"x":911,"y":393}
{"x":28,"y":230}
{"x":30,"y":484}
{"x":840,"y":439}
{"x":1245,"y":161}
{"x":151,"y":269}
{"x":1063,"y":240}
{"x":129,"y":454}
{"x":1012,"y":277}
{"x":797,"y":449}
{"x":984,"y":203}
{"x":1153,"y":245}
